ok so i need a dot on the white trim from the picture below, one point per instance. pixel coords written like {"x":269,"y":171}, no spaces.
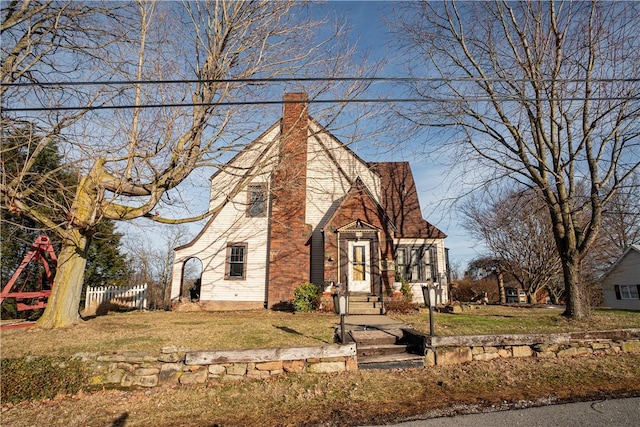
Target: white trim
{"x":359,"y":285}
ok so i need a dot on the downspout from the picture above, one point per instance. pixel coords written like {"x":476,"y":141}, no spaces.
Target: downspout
{"x":338,"y":257}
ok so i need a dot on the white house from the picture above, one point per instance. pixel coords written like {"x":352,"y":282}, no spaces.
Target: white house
{"x":299,"y":206}
{"x":621,"y":284}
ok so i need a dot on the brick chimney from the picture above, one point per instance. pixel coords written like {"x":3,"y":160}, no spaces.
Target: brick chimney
{"x":289,"y":252}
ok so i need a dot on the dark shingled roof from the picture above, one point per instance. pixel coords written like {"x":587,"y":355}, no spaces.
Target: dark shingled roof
{"x":399,"y":198}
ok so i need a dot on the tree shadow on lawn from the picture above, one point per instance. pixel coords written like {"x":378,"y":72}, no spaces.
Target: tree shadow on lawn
{"x":294,"y":332}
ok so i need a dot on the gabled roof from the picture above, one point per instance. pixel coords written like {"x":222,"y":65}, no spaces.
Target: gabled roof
{"x":399,"y":199}
{"x":634,"y":247}
{"x":360,"y":191}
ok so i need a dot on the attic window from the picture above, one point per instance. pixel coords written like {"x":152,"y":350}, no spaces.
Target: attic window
{"x":256,"y":203}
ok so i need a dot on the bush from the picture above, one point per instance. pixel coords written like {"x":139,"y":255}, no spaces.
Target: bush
{"x":306,"y":297}
{"x":405,"y":289}
{"x":45,"y":377}
{"x":399,"y":305}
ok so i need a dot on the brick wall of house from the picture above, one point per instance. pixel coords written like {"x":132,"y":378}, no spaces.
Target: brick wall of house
{"x":357,"y":205}
{"x":289,"y":251}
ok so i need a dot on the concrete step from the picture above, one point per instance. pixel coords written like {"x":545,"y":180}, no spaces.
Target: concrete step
{"x":370,"y":311}
{"x":364,"y":298}
{"x":398,"y":361}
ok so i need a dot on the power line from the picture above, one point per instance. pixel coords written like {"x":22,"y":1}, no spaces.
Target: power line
{"x":311,"y":101}
{"x":312,"y":79}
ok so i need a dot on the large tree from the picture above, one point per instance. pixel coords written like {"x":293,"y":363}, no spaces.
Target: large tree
{"x":542,"y":93}
{"x":73,"y":62}
{"x":106,"y":265}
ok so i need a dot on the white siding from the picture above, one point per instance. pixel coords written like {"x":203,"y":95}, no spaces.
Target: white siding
{"x":231,"y":224}
{"x":625,"y":272}
{"x":326,"y":182}
{"x":442,"y":294}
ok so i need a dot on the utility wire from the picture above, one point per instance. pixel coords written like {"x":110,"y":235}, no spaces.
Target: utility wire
{"x":311,"y":79}
{"x":310,"y":101}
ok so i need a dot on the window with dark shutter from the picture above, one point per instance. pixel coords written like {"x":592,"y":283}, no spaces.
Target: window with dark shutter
{"x":617,"y":289}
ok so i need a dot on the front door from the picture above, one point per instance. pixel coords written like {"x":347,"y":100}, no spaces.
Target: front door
{"x":359,"y":266}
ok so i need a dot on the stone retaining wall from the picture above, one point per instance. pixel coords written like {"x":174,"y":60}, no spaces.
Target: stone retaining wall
{"x":175,"y":365}
{"x":461,"y":349}
{"x":179,"y":365}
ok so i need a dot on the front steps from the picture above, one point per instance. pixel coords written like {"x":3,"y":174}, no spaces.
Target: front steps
{"x":384,"y":349}
{"x":362,"y":303}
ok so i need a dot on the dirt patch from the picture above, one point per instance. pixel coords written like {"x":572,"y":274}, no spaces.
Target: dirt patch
{"x":186,"y":307}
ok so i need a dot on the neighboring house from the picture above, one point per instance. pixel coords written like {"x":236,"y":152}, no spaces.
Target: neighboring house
{"x":621,"y":284}
{"x":296,"y":206}
{"x":515,"y":295}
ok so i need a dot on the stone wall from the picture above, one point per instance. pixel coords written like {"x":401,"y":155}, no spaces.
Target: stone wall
{"x":461,"y":349}
{"x":179,"y":365}
{"x":176,"y":365}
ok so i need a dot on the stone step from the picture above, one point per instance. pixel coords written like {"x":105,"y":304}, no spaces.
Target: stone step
{"x":380,"y":349}
{"x":377,"y":337}
{"x":397,"y":361}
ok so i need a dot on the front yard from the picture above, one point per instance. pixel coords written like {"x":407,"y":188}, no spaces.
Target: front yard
{"x":339,"y":399}
{"x":150,"y":331}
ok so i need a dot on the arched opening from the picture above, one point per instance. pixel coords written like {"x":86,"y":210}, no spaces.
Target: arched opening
{"x":191,"y":280}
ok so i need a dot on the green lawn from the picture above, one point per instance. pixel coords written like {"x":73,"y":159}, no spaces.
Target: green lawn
{"x":149,"y":331}
{"x":490,"y":319}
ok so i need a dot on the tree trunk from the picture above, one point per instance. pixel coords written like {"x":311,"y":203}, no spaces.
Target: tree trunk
{"x":577,"y":305}
{"x":62,"y":307}
{"x":501,"y":291}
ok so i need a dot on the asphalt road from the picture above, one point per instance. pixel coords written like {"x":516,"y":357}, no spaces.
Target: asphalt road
{"x":609,"y":413}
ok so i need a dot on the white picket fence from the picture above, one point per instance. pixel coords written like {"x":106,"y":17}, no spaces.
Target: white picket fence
{"x":123,"y":296}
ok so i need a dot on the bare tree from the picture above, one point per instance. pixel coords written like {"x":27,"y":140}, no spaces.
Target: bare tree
{"x":131,"y":159}
{"x":516,"y":227}
{"x":152,"y":258}
{"x":542,"y":93}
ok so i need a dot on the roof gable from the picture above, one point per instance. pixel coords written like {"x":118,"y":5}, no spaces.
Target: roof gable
{"x":359,"y":207}
{"x":635,"y":248}
{"x":399,"y":198}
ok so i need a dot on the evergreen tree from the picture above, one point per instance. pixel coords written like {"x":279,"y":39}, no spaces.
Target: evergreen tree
{"x":106,"y":265}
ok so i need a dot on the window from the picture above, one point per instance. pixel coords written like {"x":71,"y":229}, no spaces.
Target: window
{"x":236,"y":261}
{"x":409,"y":265}
{"x":401,"y":263}
{"x":627,"y":291}
{"x":256,"y":204}
{"x":433,"y":263}
{"x":416,"y":267}
{"x":359,"y":263}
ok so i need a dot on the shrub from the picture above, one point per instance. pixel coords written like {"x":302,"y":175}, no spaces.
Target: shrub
{"x":399,"y":305}
{"x":306,"y":297}
{"x":406,"y":291}
{"x":44,"y":377}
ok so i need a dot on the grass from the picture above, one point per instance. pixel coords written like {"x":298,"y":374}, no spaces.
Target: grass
{"x":491,"y":319}
{"x":350,"y":398}
{"x":346,"y":399}
{"x":150,"y":331}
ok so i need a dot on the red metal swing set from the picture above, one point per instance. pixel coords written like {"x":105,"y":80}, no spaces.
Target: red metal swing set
{"x":31,"y":300}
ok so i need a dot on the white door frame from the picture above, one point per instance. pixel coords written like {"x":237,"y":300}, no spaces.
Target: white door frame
{"x":359,"y":285}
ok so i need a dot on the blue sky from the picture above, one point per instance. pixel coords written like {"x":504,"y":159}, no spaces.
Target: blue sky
{"x":433,"y":174}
